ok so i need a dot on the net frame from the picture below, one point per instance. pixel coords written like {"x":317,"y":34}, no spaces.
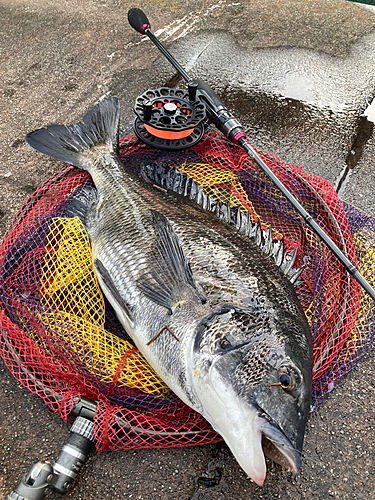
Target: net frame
{"x":131,"y":414}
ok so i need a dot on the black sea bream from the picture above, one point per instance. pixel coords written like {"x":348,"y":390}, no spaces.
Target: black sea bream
{"x":211,"y":313}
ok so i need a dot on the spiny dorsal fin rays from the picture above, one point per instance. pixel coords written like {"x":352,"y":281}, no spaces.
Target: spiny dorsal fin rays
{"x":278,"y":252}
{"x":294,"y":274}
{"x":267,"y":241}
{"x":288,"y":262}
{"x":180,"y":183}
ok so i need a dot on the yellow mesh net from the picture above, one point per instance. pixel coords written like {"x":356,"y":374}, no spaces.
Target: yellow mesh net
{"x":69,"y":286}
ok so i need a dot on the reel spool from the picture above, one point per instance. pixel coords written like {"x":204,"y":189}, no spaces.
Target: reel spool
{"x":170,"y":118}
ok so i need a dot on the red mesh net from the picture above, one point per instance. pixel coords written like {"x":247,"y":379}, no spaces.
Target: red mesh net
{"x":60,"y":337}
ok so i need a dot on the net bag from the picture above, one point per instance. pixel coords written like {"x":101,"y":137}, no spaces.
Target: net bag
{"x":61,"y":339}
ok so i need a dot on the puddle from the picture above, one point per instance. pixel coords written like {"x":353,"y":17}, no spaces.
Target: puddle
{"x":342,"y":180}
{"x":301,"y":104}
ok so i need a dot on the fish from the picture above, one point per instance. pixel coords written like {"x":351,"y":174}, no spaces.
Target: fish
{"x":209,"y":310}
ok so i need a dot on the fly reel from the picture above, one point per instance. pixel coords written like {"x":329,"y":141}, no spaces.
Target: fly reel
{"x":170,"y":118}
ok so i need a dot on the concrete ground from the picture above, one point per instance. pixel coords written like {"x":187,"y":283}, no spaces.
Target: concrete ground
{"x":299,"y":75}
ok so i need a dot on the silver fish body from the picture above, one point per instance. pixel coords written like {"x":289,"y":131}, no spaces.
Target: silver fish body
{"x":211,"y":313}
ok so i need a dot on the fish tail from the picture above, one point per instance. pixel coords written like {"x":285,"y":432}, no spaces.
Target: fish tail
{"x":73,"y":143}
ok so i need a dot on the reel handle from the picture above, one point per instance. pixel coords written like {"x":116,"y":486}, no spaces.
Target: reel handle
{"x":138,"y":20}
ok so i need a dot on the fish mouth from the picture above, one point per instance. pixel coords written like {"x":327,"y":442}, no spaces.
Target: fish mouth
{"x":250,"y":433}
{"x":278,"y":448}
{"x":252,"y":437}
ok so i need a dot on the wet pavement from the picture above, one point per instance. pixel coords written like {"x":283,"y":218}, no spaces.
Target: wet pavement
{"x":299,"y":75}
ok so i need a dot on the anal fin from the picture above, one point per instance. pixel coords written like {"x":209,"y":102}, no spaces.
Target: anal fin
{"x":80,"y":202}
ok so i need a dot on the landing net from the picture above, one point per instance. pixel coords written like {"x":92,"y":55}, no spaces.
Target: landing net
{"x":60,"y":337}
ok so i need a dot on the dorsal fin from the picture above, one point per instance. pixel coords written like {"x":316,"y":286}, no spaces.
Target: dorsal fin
{"x":180,"y":183}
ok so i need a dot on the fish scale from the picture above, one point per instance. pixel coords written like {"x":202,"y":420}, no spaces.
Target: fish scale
{"x":226,"y":270}
{"x":124,"y":245}
{"x":224,"y":274}
{"x":211,"y":312}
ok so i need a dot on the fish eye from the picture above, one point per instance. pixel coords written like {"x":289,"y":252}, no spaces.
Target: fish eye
{"x":287,"y":379}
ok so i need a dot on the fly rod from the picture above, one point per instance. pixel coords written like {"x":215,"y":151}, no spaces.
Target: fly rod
{"x":233,"y":130}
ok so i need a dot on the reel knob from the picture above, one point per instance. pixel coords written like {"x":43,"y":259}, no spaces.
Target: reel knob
{"x":147,"y":108}
{"x":169,"y":118}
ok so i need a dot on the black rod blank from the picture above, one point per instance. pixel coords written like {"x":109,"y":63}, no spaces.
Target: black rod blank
{"x":139,"y":22}
{"x":349,"y":266}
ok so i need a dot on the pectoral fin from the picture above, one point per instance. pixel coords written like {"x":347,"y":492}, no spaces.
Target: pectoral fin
{"x":169,"y":275}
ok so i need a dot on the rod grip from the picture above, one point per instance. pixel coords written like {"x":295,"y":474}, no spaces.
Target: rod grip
{"x":138,"y":20}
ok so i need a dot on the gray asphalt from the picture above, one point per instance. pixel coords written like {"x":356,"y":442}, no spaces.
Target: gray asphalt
{"x":299,"y":75}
